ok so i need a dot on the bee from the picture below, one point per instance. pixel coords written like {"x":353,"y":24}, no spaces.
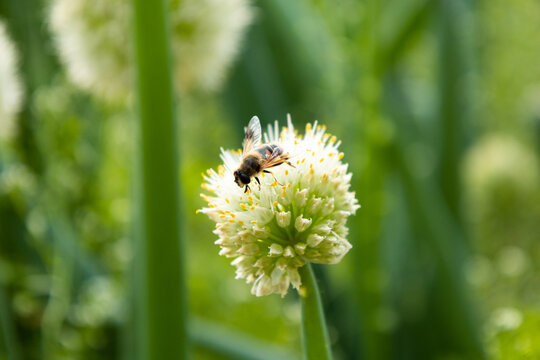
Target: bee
{"x":257,"y":158}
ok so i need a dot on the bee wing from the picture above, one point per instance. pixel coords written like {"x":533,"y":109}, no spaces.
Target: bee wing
{"x":253,"y":134}
{"x":277,"y":157}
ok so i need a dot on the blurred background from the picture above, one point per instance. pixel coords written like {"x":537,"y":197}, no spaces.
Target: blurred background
{"x":437,"y":103}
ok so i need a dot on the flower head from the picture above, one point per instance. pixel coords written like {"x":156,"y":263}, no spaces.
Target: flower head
{"x":273,"y":230}
{"x":10,"y":86}
{"x":94,"y":43}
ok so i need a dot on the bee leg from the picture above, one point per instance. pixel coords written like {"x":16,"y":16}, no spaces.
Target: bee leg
{"x":291,"y":165}
{"x":271,"y":173}
{"x":247,"y":189}
{"x":256,"y":178}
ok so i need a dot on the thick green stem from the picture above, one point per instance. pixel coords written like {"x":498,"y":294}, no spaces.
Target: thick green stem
{"x":160,"y":300}
{"x":314,"y":334}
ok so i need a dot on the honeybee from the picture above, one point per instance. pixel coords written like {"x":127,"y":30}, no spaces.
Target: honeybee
{"x":257,"y":158}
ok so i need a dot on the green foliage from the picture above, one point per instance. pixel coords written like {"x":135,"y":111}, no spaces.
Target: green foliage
{"x":437,"y":106}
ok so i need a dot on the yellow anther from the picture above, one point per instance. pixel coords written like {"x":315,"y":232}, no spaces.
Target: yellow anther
{"x":274,"y":183}
{"x":274,"y":203}
{"x":333,"y":139}
{"x":231,"y":220}
{"x":341,"y":155}
{"x":240,"y":222}
{"x":286,"y":172}
{"x":243,"y":206}
{"x":322,"y":159}
{"x":253,"y":221}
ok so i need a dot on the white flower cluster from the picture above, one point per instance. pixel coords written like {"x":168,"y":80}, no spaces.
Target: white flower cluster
{"x":94,"y":43}
{"x":500,"y":163}
{"x":10,"y":86}
{"x":272,"y":231}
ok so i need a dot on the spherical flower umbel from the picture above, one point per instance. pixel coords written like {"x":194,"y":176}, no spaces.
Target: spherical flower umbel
{"x":273,"y":230}
{"x":10,"y":85}
{"x":94,"y":42}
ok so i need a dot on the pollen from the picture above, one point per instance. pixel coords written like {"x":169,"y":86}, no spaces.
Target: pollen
{"x":240,"y":222}
{"x":252,"y":207}
{"x":313,"y":153}
{"x":274,"y":183}
{"x":243,"y":206}
{"x":341,"y":155}
{"x":253,"y":221}
{"x":322,"y":159}
{"x":303,"y":160}
{"x":227,"y":200}
{"x":274,"y":204}
{"x":222,"y":216}
{"x":231,"y":220}
{"x":333,"y":139}
{"x":286,"y":172}
{"x":308,"y":127}
{"x":331,"y":154}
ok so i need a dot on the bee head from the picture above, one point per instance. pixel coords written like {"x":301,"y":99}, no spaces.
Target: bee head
{"x":240,"y":178}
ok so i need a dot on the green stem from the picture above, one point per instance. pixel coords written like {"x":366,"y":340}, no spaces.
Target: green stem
{"x":160,"y":301}
{"x":314,"y":334}
{"x":9,"y":348}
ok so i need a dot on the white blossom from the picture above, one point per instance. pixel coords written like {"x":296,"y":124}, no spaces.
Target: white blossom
{"x":272,"y":231}
{"x":93,"y":39}
{"x":10,"y":86}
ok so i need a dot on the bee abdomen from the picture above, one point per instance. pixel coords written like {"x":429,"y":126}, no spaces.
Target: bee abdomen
{"x":267,"y":149}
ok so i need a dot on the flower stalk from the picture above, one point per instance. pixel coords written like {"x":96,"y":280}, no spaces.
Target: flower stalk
{"x":160,"y":300}
{"x":315,"y":339}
